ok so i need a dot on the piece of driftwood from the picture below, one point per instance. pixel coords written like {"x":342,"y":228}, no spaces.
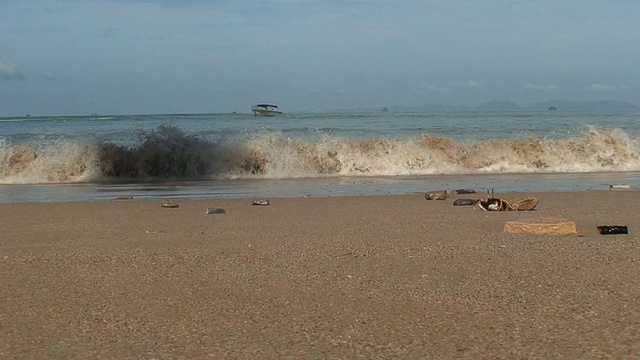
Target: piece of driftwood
{"x":619,"y":186}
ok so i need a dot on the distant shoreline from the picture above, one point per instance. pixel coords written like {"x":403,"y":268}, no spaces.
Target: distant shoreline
{"x":490,"y":106}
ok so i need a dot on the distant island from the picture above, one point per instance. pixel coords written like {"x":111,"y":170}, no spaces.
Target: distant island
{"x":510,"y":106}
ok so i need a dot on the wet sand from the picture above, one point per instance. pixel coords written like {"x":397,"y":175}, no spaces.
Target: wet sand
{"x":354,"y":277}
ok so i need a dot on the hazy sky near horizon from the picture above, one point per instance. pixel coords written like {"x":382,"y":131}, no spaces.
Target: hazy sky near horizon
{"x":134,"y":56}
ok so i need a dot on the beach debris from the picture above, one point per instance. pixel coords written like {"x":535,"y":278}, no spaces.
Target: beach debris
{"x":549,"y":226}
{"x":492,"y":204}
{"x":124,"y":197}
{"x":619,"y":186}
{"x":497,"y":204}
{"x":261,"y":202}
{"x":612,"y":229}
{"x":156,"y":232}
{"x":465,"y":202}
{"x":209,"y":211}
{"x":462,"y":191}
{"x":527,"y":204}
{"x":436,"y":195}
{"x":169,"y":204}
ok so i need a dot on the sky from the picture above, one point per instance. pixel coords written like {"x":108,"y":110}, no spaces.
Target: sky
{"x":75,"y":57}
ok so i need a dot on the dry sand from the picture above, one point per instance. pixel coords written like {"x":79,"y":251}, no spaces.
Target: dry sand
{"x":334,"y":278}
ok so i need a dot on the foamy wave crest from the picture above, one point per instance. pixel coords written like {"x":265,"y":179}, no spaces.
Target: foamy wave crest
{"x":51,"y":163}
{"x":167,"y":152}
{"x":593,"y":151}
{"x":276,"y":156}
{"x":164,"y":152}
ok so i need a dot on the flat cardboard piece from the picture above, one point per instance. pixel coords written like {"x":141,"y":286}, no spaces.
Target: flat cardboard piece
{"x":549,"y":226}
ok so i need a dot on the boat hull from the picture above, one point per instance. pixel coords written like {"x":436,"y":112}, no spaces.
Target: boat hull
{"x":266,"y":110}
{"x":262,"y":112}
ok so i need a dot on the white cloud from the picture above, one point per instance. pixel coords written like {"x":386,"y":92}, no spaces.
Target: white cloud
{"x":10,"y":72}
{"x":605,"y":88}
{"x":472,"y":84}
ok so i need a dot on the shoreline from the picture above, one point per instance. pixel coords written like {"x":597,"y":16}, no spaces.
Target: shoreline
{"x":355,"y":276}
{"x":317,"y":187}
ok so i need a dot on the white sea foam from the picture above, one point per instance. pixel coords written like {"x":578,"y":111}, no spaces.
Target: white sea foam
{"x":280,"y":157}
{"x":53,"y":162}
{"x":168,"y":152}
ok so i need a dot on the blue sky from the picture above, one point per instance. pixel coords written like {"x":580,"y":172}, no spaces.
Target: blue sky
{"x":128,"y":57}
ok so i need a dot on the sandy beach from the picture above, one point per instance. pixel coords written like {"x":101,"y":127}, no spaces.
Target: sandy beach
{"x":318,"y":278}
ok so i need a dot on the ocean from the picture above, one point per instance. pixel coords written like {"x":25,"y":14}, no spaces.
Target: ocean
{"x":203,"y":156}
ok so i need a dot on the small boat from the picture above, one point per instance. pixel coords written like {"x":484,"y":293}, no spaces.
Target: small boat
{"x":265,"y":110}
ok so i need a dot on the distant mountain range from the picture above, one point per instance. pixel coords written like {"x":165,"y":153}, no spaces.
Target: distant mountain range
{"x":510,"y":106}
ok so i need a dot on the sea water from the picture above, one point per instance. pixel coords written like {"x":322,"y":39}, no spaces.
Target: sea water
{"x":75,"y":158}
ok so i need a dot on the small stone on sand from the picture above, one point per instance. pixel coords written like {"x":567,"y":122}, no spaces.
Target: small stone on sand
{"x":463,"y":191}
{"x":436,"y":195}
{"x":169,"y":204}
{"x":465,"y":202}
{"x":214,"y":211}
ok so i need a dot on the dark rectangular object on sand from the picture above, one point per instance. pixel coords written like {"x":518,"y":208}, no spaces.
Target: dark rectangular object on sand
{"x":214,"y":211}
{"x":613,"y":229}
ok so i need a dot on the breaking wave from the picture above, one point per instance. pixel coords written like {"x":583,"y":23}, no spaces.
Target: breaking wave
{"x":167,"y":152}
